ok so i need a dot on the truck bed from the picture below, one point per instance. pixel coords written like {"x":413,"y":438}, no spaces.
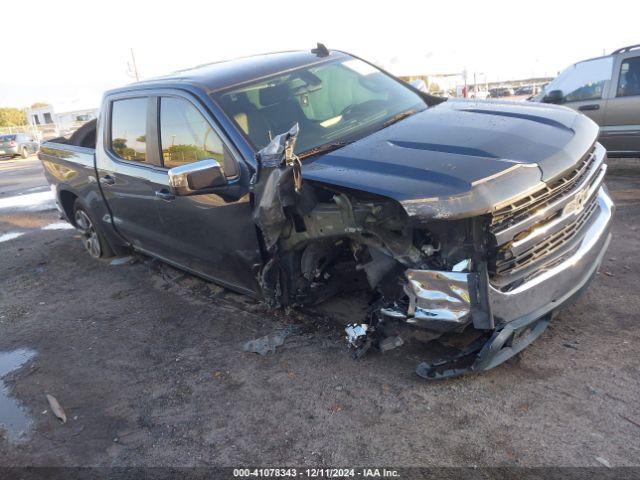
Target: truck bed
{"x":70,"y":162}
{"x":69,"y":166}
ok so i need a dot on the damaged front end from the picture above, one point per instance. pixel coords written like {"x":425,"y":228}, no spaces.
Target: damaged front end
{"x":427,"y":282}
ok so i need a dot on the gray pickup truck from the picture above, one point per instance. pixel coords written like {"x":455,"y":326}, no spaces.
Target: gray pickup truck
{"x":297,"y":176}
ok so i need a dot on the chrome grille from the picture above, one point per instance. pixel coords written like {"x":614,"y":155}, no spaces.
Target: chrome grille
{"x":508,"y":263}
{"x":535,"y":231}
{"x":519,"y":210}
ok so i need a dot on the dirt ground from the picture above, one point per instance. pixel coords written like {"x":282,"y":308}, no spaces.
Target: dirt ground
{"x":147,"y":363}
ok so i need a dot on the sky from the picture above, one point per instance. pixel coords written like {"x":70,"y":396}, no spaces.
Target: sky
{"x":71,"y":51}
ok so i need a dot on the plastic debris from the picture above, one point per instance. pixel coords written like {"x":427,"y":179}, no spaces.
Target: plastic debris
{"x":56,"y":408}
{"x":128,"y":260}
{"x":268,"y":343}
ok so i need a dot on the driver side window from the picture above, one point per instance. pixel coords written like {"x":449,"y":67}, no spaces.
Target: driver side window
{"x":187,"y":137}
{"x":587,"y":80}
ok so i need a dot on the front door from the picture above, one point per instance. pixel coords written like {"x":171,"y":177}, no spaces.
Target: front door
{"x":208,"y":234}
{"x":584,"y":86}
{"x":129,"y":169}
{"x":621,"y":129}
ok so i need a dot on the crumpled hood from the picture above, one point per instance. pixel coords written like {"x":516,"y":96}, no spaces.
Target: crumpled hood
{"x":460,"y":158}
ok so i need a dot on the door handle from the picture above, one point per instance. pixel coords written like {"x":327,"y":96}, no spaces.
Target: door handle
{"x":165,"y":195}
{"x":593,"y":106}
{"x":107,"y":180}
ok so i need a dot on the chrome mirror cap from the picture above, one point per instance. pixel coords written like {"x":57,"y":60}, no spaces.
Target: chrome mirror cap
{"x":196,"y":178}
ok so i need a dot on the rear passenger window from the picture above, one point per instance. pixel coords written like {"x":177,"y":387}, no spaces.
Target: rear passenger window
{"x":129,"y":129}
{"x":186,"y":137}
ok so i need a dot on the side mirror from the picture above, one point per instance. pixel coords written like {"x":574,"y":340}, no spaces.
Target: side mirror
{"x":196,"y":178}
{"x":554,"y":96}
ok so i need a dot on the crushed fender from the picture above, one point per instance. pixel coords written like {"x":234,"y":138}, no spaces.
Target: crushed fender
{"x":274,"y":185}
{"x":426,"y":280}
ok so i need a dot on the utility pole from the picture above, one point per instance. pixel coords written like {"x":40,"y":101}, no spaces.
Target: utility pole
{"x":464,"y":76}
{"x":135,"y":67}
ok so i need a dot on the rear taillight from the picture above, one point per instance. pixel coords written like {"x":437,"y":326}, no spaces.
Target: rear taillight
{"x":12,"y":143}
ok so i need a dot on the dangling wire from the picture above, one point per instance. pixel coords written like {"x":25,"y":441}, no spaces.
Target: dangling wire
{"x":297,"y":174}
{"x":293,"y":161}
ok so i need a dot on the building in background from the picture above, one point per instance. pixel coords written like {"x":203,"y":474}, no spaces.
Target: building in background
{"x":59,"y":119}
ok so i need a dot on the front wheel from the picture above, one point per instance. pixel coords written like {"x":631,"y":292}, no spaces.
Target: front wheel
{"x":93,"y":241}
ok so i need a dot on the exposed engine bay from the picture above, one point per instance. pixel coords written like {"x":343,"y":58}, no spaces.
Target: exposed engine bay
{"x":426,"y":281}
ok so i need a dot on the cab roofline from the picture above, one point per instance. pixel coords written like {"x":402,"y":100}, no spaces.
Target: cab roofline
{"x":228,"y":73}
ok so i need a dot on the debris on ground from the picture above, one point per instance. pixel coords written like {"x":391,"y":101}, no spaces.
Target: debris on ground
{"x":358,"y":338}
{"x":593,"y":391}
{"x":268,"y":343}
{"x":630,"y":420}
{"x":572,"y":345}
{"x":56,"y":408}
{"x":128,"y":260}
{"x":603,"y":462}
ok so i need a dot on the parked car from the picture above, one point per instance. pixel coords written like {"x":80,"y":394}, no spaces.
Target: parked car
{"x":607,"y":90}
{"x":471,"y":91}
{"x":499,"y":92}
{"x":18,"y":145}
{"x":478,"y":93}
{"x":296,"y":176}
{"x":524,"y":90}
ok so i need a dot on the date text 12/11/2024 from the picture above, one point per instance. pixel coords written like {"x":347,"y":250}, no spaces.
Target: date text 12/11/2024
{"x":316,"y":472}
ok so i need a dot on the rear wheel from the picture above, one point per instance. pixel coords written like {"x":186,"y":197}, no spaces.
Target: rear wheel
{"x":92,"y":239}
{"x":24,"y":153}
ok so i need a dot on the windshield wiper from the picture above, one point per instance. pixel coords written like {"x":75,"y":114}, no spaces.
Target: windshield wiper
{"x":399,"y":116}
{"x":324,"y":148}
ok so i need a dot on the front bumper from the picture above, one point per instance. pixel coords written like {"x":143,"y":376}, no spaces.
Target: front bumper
{"x":552,"y":287}
{"x":522,"y":314}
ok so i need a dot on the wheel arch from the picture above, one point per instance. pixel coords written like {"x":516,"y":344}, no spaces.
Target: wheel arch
{"x":67,"y":201}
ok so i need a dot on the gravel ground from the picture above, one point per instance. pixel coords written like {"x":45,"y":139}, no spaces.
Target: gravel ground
{"x":147,"y":363}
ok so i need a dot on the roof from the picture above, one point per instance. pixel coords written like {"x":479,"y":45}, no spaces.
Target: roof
{"x":615,"y":52}
{"x":626,"y":49}
{"x":221,"y":75}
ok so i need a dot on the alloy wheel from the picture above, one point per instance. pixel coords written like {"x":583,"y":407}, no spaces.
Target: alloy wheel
{"x":90,"y":238}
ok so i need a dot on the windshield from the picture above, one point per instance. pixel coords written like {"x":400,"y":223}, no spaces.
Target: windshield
{"x":582,"y":81}
{"x":334,"y":102}
{"x":7,"y":138}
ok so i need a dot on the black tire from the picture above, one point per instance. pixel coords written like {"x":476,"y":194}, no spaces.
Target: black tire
{"x":24,"y":153}
{"x":93,"y":239}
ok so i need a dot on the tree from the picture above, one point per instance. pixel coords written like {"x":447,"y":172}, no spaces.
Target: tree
{"x":434,"y":87}
{"x":12,"y":117}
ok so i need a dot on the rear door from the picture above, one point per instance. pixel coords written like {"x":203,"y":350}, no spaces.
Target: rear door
{"x":129,"y":169}
{"x":212,"y":235}
{"x":621,"y":130}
